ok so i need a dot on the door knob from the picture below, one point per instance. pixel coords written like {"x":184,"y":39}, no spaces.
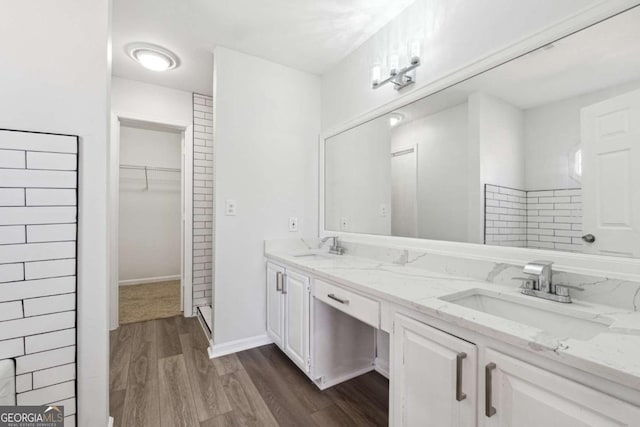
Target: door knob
{"x":589,"y":238}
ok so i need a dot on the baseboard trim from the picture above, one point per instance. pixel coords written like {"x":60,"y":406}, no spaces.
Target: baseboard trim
{"x":218,"y":350}
{"x":324,"y":384}
{"x":110,"y":424}
{"x":145,"y":280}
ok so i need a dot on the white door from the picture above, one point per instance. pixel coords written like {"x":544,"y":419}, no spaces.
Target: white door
{"x":610,"y":175}
{"x":523,"y":395}
{"x":404,"y":180}
{"x":275,"y":306}
{"x":296,"y":307}
{"x":433,"y":377}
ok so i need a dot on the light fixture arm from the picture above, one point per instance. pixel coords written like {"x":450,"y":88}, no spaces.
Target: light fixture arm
{"x":402,"y":78}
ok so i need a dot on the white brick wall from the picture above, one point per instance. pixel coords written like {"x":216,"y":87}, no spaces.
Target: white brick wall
{"x":38,"y":223}
{"x":547,"y":219}
{"x":202,"y":200}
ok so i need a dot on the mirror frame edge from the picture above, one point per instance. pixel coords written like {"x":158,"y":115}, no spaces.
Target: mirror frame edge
{"x":578,"y":263}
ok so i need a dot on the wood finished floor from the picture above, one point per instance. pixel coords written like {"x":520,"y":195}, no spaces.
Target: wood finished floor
{"x":161,"y":375}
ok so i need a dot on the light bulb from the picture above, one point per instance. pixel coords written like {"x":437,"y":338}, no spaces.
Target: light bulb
{"x":414,"y":52}
{"x":376,"y":74}
{"x":394,"y":64}
{"x":153,"y":61}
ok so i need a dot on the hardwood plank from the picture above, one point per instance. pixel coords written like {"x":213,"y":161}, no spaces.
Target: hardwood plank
{"x":332,"y":416}
{"x":120,"y":344}
{"x":168,"y":341}
{"x":208,"y":393}
{"x":249,"y":409}
{"x":227,"y":364}
{"x":230,"y":419}
{"x":116,"y":405}
{"x":141,"y":407}
{"x":176,"y":398}
{"x":358,"y":405}
{"x":309,"y":395}
{"x":182,"y":324}
{"x":282,"y":399}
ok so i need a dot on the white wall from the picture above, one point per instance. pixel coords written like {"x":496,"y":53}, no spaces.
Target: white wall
{"x":456,"y":33}
{"x":132,"y":98}
{"x":149,"y":220}
{"x":551,"y":132}
{"x":496,"y":153}
{"x":266,"y":139}
{"x":442,"y":172}
{"x":54,"y":78}
{"x":358,"y":179}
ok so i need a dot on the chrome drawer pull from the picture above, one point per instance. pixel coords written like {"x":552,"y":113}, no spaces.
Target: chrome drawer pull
{"x":340,"y":300}
{"x":460,"y":396}
{"x":278,"y":281}
{"x":489,"y":410}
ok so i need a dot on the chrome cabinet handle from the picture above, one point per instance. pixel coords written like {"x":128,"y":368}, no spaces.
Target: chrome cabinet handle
{"x":589,"y":238}
{"x":279,"y":281}
{"x":460,"y":396}
{"x":284,"y":283}
{"x":340,"y":300}
{"x":489,"y":410}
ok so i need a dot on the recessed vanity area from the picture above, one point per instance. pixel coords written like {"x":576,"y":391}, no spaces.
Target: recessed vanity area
{"x":486,"y":246}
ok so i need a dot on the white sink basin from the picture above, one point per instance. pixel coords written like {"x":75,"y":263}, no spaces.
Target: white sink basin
{"x":557,"y":319}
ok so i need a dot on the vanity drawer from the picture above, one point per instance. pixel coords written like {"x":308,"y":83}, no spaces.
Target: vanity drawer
{"x":355,"y":305}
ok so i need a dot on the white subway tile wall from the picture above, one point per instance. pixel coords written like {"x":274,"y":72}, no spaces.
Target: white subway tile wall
{"x":545,"y":219}
{"x":38,"y":223}
{"x":505,"y":216}
{"x":202,"y":200}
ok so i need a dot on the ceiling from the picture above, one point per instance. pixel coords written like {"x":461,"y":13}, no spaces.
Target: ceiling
{"x":309,"y":35}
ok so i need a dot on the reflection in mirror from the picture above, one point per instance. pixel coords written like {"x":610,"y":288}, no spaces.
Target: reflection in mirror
{"x":540,"y":152}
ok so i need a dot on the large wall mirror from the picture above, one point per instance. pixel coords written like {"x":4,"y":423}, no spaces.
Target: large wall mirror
{"x":540,"y":152}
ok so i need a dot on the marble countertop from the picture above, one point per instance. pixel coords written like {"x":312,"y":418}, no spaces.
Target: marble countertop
{"x":613,"y":354}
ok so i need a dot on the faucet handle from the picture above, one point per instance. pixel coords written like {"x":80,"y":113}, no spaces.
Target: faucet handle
{"x":527,"y":282}
{"x":563,"y":290}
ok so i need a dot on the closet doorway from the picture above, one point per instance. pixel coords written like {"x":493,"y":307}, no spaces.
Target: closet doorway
{"x":151,"y":220}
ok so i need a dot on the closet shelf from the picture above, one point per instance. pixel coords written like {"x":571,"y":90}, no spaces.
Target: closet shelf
{"x":146,"y":169}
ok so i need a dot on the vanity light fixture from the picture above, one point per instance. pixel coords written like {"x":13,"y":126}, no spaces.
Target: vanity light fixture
{"x":152,"y":57}
{"x":400,"y":77}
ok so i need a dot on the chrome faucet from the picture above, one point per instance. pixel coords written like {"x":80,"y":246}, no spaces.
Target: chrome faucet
{"x":335,"y":248}
{"x":539,"y":283}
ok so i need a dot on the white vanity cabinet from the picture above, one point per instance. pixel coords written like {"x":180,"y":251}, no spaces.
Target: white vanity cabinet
{"x":433,"y":377}
{"x":518,"y":394}
{"x":288,"y":295}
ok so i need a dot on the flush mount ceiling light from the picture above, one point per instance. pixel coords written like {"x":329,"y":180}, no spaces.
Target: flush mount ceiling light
{"x":395,"y":118}
{"x":152,"y":57}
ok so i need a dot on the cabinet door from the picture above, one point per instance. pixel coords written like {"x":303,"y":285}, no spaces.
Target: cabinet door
{"x":275,"y":306}
{"x":296,"y":306}
{"x":523,"y":395}
{"x":433,"y":377}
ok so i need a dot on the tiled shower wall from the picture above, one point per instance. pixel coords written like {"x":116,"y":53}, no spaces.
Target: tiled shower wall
{"x":38,"y":223}
{"x":505,"y":216}
{"x":202,"y":200}
{"x":547,"y":219}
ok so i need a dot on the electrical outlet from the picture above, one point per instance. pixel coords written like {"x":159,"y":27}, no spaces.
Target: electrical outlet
{"x":344,"y":223}
{"x":383,"y":210}
{"x":230,"y":207}
{"x":293,"y":223}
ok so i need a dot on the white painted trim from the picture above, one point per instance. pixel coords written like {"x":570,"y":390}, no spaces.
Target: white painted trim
{"x":187,"y":223}
{"x":218,"y":350}
{"x":144,"y":280}
{"x":595,"y":265}
{"x":343,"y":378}
{"x":114,"y":195}
{"x":110,"y":423}
{"x":382,"y":367}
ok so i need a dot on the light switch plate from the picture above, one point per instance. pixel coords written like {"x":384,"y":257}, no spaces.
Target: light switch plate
{"x":293,"y":223}
{"x":230,"y":207}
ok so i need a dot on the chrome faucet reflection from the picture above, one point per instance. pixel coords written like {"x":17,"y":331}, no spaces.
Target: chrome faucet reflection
{"x":539,"y":283}
{"x":335,"y":248}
